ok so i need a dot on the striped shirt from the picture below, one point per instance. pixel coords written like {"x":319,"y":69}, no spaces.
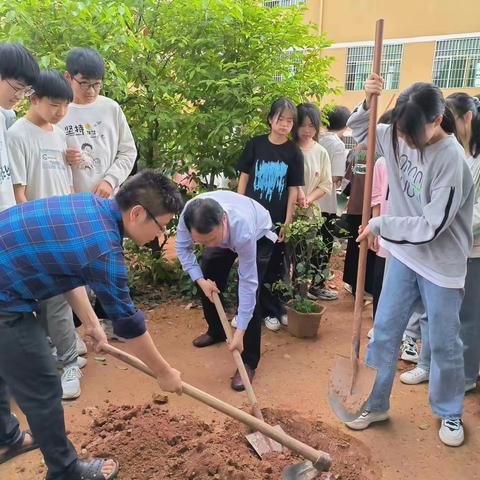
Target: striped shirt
{"x":53,"y":245}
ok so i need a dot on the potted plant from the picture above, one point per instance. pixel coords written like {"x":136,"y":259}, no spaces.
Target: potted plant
{"x":304,"y":242}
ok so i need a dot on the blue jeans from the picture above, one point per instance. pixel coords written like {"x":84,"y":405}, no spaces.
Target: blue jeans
{"x":469,"y":326}
{"x":402,"y":289}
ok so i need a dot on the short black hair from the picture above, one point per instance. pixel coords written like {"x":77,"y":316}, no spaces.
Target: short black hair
{"x":86,"y":62}
{"x":17,"y":63}
{"x":310,"y":111}
{"x":337,"y":118}
{"x":153,"y":191}
{"x":203,"y":214}
{"x":52,"y":84}
{"x":281,"y":105}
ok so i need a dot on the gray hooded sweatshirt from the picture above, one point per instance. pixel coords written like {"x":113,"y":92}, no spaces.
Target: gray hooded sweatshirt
{"x":430,"y":203}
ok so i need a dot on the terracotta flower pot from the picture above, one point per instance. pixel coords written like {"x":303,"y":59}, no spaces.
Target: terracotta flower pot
{"x":304,"y":325}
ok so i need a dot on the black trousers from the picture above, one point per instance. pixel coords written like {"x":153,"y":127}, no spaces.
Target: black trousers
{"x":270,"y":302}
{"x":216,"y":265}
{"x":327,"y":236}
{"x":352,"y":254}
{"x":29,"y":372}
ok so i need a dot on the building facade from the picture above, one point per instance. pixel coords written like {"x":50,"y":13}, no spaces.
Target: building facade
{"x":424,"y":40}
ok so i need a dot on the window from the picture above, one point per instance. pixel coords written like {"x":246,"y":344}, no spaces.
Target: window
{"x":282,"y":3}
{"x":457,"y":63}
{"x":294,"y":58}
{"x":349,"y":141}
{"x":359,"y":66}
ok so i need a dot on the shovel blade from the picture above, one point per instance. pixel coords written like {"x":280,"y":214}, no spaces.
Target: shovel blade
{"x":300,"y":471}
{"x":350,"y":385}
{"x":264,"y":445}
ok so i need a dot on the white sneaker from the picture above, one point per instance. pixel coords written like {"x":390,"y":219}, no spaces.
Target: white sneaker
{"x":284,"y":320}
{"x":365,"y":419}
{"x":470,"y":386}
{"x":81,"y":345}
{"x":415,"y":376}
{"x":272,"y":323}
{"x":451,"y":432}
{"x":81,"y":362}
{"x":234,"y":322}
{"x":71,"y":382}
{"x":370,"y":333}
{"x":409,"y":350}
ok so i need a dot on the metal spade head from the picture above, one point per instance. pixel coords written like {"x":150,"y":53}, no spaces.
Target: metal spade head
{"x":264,"y":445}
{"x":350,"y":386}
{"x":300,"y":471}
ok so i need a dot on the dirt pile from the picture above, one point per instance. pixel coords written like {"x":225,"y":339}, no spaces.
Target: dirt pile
{"x":153,"y":444}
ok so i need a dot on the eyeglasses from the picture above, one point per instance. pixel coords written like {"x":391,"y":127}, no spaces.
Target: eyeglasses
{"x":20,"y":92}
{"x":152,"y":216}
{"x":85,"y":86}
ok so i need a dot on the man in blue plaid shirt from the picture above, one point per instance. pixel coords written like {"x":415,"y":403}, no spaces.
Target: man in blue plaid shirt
{"x":58,"y":245}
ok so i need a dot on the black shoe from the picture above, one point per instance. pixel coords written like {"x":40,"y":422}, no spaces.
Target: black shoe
{"x":237,"y":383}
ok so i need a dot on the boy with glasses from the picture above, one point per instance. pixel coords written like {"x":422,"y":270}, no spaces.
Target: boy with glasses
{"x":98,"y":122}
{"x":18,"y":70}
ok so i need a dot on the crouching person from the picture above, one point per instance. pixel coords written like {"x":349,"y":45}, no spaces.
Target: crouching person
{"x":228,"y":225}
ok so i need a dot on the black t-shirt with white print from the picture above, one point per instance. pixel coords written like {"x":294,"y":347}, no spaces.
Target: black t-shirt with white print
{"x":272,"y":169}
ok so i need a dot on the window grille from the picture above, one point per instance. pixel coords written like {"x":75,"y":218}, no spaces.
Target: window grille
{"x":457,"y":63}
{"x":349,"y":141}
{"x":291,"y":55}
{"x":359,"y":66}
{"x":282,"y":3}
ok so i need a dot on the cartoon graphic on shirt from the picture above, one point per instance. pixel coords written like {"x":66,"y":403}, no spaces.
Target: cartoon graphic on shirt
{"x":270,"y":177}
{"x":89,"y":162}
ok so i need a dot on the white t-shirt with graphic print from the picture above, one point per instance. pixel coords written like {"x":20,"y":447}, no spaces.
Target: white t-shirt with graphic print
{"x":7,"y":197}
{"x":101,"y":132}
{"x":37,"y":160}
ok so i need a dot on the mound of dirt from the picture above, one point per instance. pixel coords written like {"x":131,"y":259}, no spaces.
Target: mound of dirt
{"x":152,"y":444}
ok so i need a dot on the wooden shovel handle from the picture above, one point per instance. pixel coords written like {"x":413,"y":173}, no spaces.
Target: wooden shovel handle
{"x":237,"y":357}
{"x":367,"y":197}
{"x":321,"y":460}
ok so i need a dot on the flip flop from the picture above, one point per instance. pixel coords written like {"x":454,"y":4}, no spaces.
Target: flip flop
{"x":18,"y":448}
{"x":92,"y":469}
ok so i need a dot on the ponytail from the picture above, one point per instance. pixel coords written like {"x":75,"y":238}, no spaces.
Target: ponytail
{"x":475,"y":140}
{"x":448,"y":121}
{"x":462,"y":103}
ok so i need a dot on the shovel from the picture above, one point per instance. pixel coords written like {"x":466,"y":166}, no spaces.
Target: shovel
{"x":318,"y":461}
{"x":351,"y":381}
{"x":260,"y":443}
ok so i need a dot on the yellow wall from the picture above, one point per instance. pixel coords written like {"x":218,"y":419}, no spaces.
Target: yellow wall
{"x":354,"y":21}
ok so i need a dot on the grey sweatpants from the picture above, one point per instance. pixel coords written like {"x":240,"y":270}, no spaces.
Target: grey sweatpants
{"x":56,"y":317}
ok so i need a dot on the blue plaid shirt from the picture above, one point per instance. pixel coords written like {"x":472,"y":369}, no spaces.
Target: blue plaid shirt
{"x":53,"y":245}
